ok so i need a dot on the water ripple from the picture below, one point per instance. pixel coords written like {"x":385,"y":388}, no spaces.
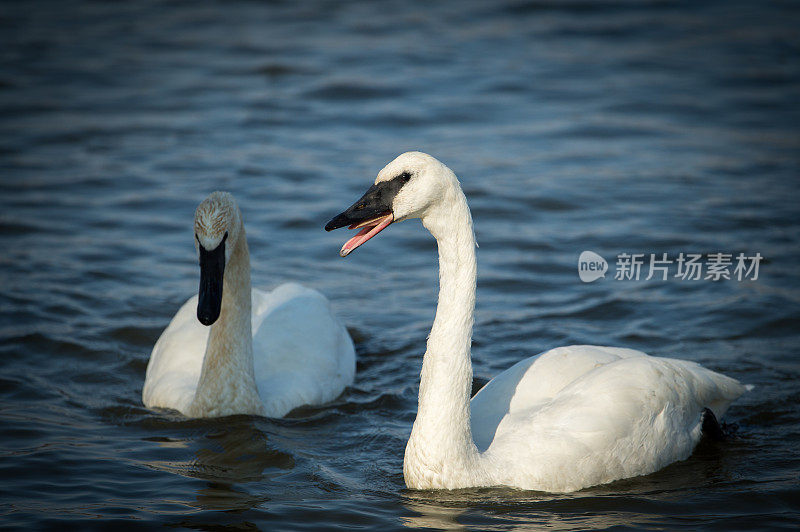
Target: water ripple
{"x":643,"y":127}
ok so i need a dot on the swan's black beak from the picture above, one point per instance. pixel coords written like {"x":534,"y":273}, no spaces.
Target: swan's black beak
{"x":212,"y":270}
{"x":372,"y":212}
{"x":376,"y":202}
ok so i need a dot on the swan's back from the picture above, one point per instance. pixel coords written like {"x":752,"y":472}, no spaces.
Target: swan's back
{"x":533,"y":381}
{"x":303,"y":354}
{"x":591,"y":415}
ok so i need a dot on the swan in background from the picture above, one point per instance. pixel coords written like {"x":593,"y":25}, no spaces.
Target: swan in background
{"x":232,"y":350}
{"x":563,"y":420}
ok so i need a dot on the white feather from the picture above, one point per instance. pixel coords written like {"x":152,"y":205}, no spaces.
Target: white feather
{"x":590,"y":415}
{"x":566,"y":419}
{"x":303,"y":354}
{"x":292,"y":351}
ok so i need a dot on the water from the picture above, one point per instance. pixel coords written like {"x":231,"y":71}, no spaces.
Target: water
{"x":615,"y":127}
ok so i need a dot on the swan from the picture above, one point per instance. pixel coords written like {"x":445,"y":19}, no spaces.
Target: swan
{"x":560,"y":421}
{"x":231,"y":349}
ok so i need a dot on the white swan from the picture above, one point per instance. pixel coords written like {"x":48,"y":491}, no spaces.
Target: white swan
{"x":266,"y":352}
{"x":566,"y":419}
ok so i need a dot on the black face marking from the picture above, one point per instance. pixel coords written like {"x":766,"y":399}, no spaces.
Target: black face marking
{"x":376,"y":201}
{"x":212,"y":271}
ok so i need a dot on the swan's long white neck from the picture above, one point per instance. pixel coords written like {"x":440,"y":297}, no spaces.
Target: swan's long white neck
{"x":441,"y":450}
{"x":227,"y":382}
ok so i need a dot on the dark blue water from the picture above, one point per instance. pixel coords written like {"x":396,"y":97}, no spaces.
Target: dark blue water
{"x":636,"y":127}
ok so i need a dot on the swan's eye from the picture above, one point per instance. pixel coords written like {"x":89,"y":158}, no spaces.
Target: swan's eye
{"x":404,"y":177}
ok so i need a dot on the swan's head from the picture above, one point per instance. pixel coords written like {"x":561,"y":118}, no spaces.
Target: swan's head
{"x":217,"y":225}
{"x":408,"y":187}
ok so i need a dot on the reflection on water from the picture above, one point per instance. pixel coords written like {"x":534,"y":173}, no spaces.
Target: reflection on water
{"x":432,"y":516}
{"x":519,"y":510}
{"x":232,"y":453}
{"x":226,"y":498}
{"x":644,"y":127}
{"x":238,"y":455}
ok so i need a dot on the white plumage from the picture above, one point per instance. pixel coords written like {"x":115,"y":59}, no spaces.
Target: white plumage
{"x":594,"y":414}
{"x":566,"y":419}
{"x":269,"y":352}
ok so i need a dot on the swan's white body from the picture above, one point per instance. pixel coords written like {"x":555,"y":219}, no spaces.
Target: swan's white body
{"x":590,"y":415}
{"x":268,"y":352}
{"x":302,"y":354}
{"x":567,"y":419}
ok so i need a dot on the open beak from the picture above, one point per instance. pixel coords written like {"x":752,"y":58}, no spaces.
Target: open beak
{"x":369,"y":229}
{"x":372,"y":213}
{"x":212,"y":270}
